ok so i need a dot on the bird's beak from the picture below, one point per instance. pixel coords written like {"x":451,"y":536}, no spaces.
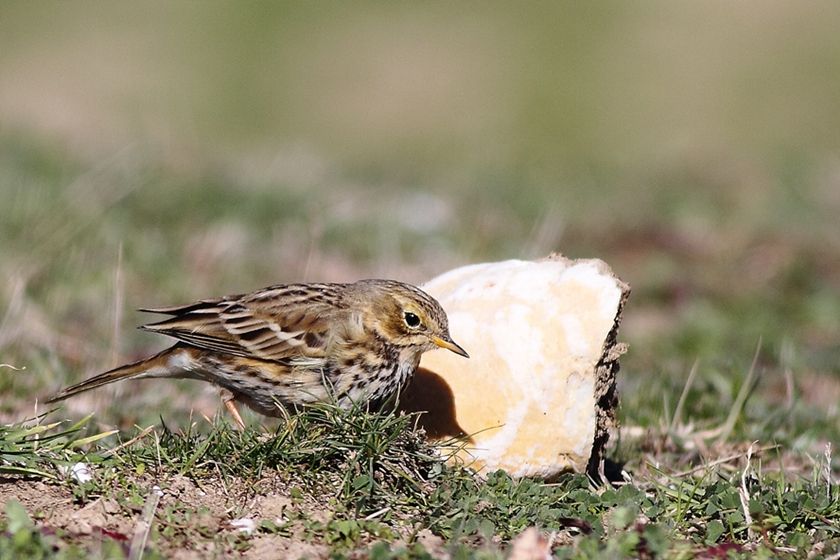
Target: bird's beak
{"x":449,"y":345}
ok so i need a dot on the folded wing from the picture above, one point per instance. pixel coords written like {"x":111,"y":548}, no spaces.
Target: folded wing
{"x":280,"y":323}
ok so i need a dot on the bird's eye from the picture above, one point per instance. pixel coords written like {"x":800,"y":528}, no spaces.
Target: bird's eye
{"x":411,"y":320}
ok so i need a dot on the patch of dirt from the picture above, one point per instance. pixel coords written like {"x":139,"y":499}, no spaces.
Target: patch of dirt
{"x":271,"y":547}
{"x":36,"y":497}
{"x":200,"y":515}
{"x":54,"y":506}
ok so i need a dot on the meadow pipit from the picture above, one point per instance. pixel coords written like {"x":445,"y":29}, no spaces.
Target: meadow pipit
{"x":295,"y":344}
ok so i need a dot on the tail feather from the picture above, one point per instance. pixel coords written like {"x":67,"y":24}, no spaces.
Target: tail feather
{"x":128,"y":371}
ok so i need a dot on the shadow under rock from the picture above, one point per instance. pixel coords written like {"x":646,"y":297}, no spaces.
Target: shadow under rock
{"x":429,"y":393}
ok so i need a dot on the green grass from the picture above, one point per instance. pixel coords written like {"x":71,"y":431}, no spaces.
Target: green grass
{"x":355,"y":481}
{"x":43,"y":450}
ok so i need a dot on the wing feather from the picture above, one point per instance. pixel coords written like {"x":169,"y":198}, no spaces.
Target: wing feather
{"x":279,"y":323}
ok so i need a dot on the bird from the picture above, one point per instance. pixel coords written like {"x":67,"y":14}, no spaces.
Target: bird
{"x":287,"y":346}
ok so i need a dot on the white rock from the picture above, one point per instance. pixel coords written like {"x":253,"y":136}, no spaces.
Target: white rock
{"x":244,"y":525}
{"x":80,"y":472}
{"x":537,"y":395}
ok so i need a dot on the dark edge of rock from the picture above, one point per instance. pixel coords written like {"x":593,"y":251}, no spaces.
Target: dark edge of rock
{"x":606,"y":390}
{"x":606,"y":374}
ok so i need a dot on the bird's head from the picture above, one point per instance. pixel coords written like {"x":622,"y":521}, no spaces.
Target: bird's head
{"x":407,"y":316}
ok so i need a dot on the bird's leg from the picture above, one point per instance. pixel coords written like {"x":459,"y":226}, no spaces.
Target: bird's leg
{"x":229,"y":400}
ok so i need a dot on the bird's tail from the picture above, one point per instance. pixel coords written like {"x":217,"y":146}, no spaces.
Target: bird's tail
{"x":154,"y":366}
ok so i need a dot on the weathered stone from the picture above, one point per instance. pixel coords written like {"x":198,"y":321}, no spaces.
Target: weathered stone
{"x":537,"y":395}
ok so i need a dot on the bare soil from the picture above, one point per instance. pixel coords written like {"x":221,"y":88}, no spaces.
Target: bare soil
{"x":201,"y":520}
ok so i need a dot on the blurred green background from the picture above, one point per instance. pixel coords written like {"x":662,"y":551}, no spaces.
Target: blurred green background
{"x":160,"y":152}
